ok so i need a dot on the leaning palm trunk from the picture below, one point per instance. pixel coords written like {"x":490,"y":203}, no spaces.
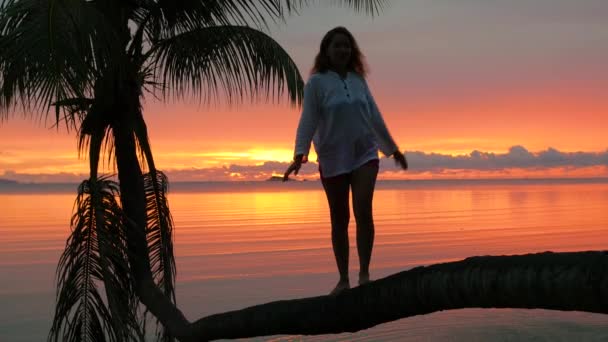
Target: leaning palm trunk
{"x":133,"y":200}
{"x":556,"y":281}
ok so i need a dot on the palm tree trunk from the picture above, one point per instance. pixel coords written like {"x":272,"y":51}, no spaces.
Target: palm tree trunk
{"x":134,"y":206}
{"x":557,"y":281}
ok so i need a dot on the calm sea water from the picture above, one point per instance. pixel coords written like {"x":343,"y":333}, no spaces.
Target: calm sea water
{"x":243,"y":244}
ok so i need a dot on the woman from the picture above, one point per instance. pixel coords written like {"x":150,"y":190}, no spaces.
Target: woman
{"x":340,"y":116}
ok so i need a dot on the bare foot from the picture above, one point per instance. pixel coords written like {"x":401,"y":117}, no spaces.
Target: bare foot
{"x":363,"y":278}
{"x":341,"y":286}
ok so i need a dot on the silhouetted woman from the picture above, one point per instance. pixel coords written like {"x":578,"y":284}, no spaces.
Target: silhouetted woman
{"x":340,"y":116}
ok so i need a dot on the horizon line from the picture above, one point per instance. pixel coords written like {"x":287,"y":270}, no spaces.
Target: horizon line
{"x":599,"y":179}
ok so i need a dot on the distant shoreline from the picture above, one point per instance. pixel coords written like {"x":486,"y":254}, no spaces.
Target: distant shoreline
{"x":8,"y":186}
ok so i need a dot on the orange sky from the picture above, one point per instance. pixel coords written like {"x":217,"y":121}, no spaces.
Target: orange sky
{"x":448,"y":80}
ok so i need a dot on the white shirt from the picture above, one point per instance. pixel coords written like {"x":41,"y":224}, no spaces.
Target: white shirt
{"x":342,"y":119}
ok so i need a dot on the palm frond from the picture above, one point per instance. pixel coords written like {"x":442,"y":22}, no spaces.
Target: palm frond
{"x":106,"y":147}
{"x":237,"y":60}
{"x":73,"y":109}
{"x":159,"y":233}
{"x":49,"y":52}
{"x":120,"y":292}
{"x":169,"y":18}
{"x":173,"y":17}
{"x":372,"y":7}
{"x":95,"y":252}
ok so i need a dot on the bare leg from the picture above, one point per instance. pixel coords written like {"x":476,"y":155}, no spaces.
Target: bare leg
{"x":363,"y":183}
{"x":337,"y":190}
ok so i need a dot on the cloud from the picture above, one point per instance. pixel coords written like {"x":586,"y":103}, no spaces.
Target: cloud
{"x":517,"y":157}
{"x":241,"y":172}
{"x":475,"y":163}
{"x":62,"y":177}
{"x":517,"y":162}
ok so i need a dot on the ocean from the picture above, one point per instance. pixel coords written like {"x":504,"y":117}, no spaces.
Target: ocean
{"x":246,"y":243}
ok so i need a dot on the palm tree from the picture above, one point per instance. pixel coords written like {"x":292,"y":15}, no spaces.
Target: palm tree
{"x":92,"y":61}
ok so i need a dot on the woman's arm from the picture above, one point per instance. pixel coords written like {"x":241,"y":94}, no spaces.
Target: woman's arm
{"x":306,"y":128}
{"x":385,"y":141}
{"x":308,"y":120}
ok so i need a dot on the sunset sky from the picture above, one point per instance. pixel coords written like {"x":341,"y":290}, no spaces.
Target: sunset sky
{"x":469,"y":88}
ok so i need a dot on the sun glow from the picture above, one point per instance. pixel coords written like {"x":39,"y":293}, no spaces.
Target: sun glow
{"x":262,"y":155}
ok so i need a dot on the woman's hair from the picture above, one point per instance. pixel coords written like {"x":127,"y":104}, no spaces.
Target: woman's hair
{"x":357,"y":60}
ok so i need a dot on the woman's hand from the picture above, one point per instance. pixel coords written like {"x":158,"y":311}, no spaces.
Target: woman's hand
{"x":295,"y":166}
{"x":400,"y":159}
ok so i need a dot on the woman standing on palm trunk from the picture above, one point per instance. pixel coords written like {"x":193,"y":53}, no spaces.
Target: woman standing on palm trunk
{"x":341,"y":117}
